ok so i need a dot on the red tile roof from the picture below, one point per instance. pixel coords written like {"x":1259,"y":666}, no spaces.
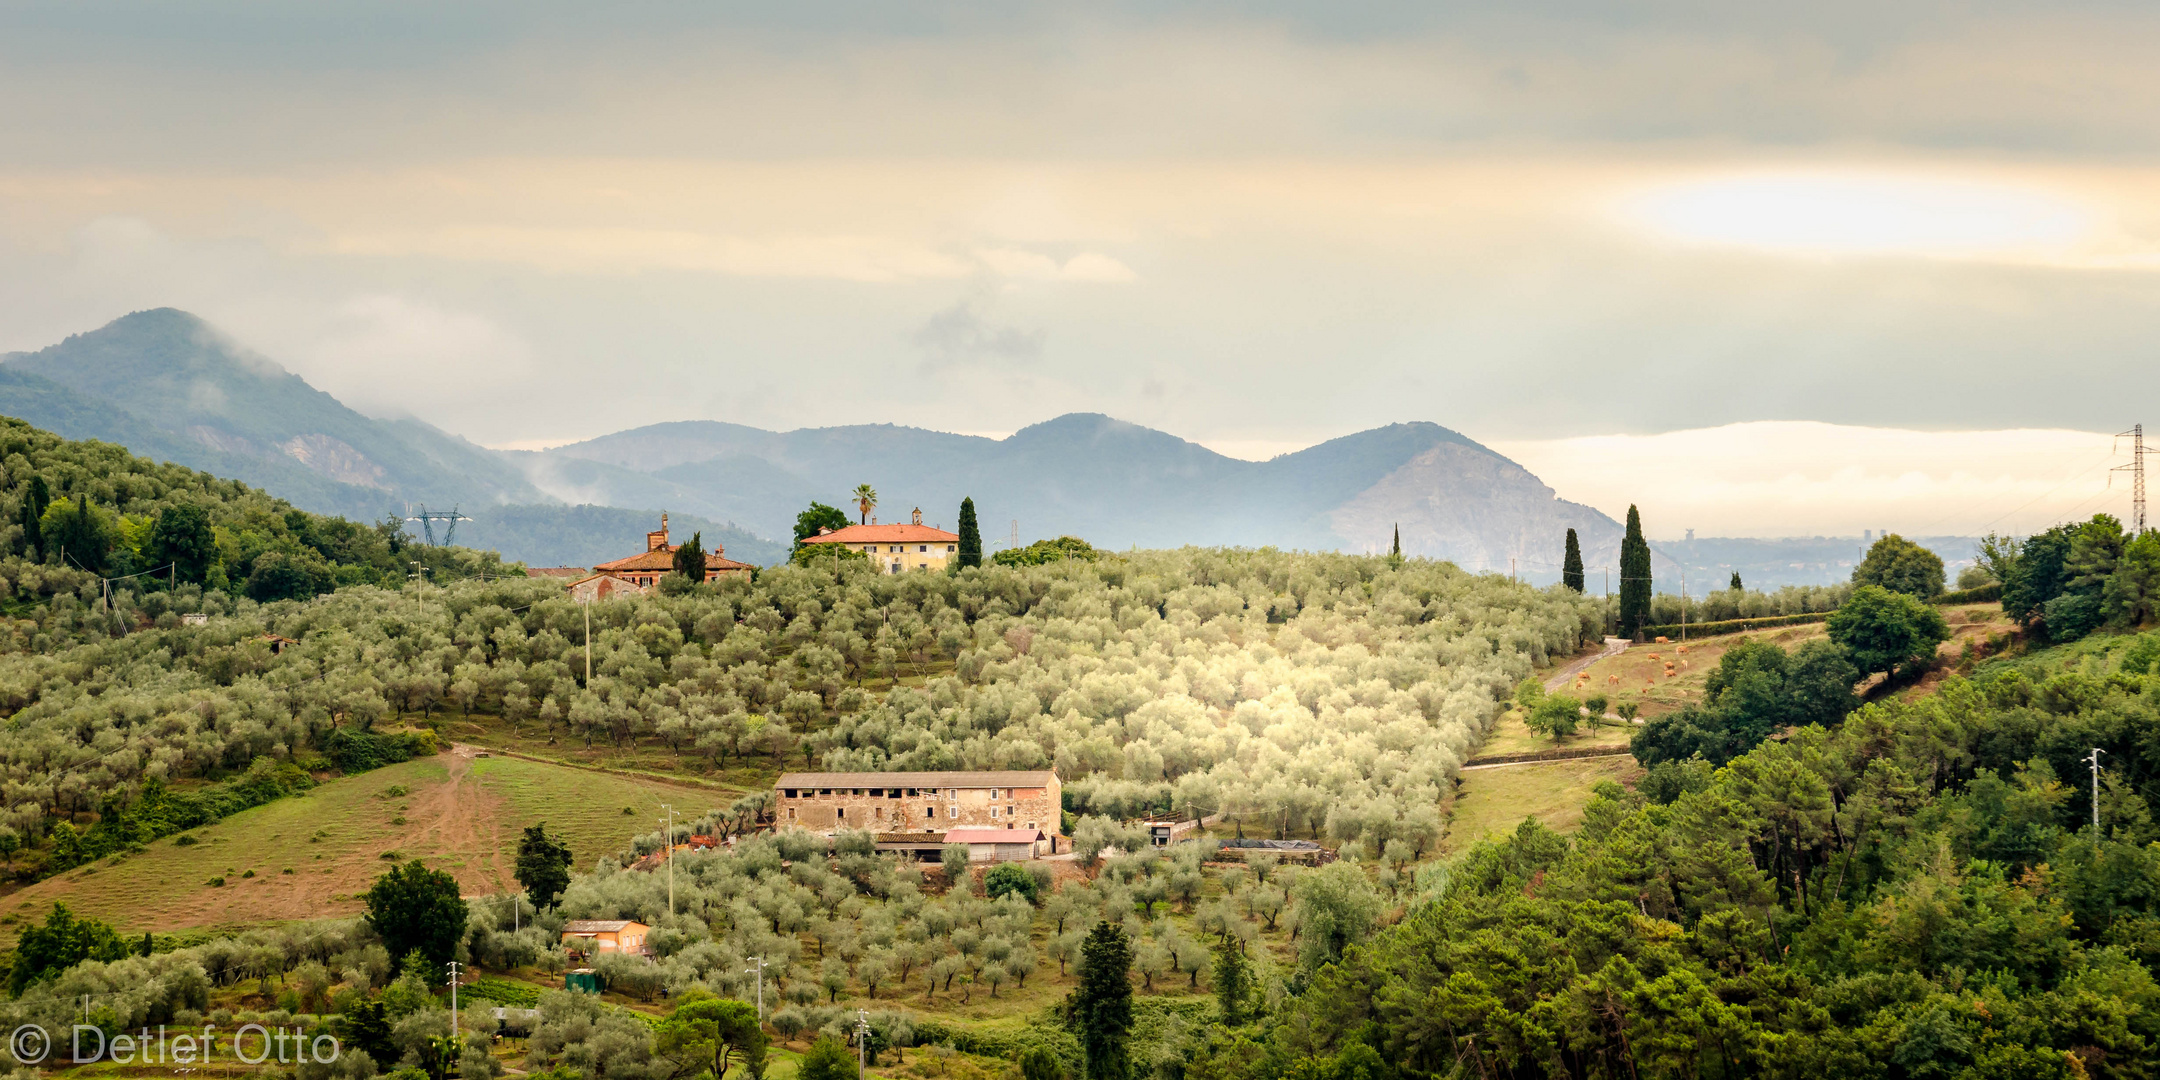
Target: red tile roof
{"x":664,"y":561}
{"x":885,"y":534}
{"x":992,"y":836}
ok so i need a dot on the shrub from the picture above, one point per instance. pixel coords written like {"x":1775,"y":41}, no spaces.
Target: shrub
{"x":1006,"y":878}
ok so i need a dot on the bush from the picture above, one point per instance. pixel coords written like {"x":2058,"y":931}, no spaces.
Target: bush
{"x":354,"y":751}
{"x":827,"y":1059}
{"x":1556,"y":716}
{"x":1882,"y":630}
{"x":1006,"y":878}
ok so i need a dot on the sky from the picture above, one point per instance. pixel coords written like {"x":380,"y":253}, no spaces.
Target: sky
{"x":1625,"y":243}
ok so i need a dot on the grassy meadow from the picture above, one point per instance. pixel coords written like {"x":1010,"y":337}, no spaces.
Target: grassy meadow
{"x":313,"y":855}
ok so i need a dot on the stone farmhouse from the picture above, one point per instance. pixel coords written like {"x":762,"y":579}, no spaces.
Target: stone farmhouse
{"x":639,"y":573}
{"x":894,"y":548}
{"x":895,"y":802}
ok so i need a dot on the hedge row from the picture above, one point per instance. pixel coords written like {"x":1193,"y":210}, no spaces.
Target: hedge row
{"x":1980,"y":595}
{"x":1733,"y":626}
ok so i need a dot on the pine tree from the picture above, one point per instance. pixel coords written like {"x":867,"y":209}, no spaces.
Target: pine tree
{"x":690,"y":558}
{"x":970,"y":535}
{"x":1571,"y":574}
{"x":1102,"y":1006}
{"x":1735,"y":586}
{"x":1634,"y":576}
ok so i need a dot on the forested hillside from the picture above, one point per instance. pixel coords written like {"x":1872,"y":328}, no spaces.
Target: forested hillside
{"x":71,"y":512}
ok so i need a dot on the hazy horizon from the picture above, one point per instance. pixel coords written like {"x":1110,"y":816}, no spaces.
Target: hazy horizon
{"x":1608,"y":238}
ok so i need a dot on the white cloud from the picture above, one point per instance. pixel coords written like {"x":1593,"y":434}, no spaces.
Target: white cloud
{"x":1086,"y":266}
{"x":1797,"y":478}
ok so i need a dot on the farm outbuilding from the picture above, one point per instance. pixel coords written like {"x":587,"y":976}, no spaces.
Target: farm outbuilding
{"x":594,"y":936}
{"x":998,"y":845}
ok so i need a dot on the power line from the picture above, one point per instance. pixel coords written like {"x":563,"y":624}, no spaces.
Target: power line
{"x":2137,"y":475}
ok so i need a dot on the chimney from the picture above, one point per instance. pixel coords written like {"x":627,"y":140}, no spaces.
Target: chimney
{"x":824,"y":530}
{"x":918,"y":515}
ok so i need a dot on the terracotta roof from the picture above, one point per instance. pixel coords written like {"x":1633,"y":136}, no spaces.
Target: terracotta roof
{"x":992,"y":836}
{"x":885,"y":534}
{"x":599,"y":926}
{"x":557,"y":571}
{"x":1042,"y":778}
{"x":910,"y":838}
{"x":663,"y":561}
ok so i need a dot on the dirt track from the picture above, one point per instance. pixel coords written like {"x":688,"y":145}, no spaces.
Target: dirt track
{"x":1558,"y":680}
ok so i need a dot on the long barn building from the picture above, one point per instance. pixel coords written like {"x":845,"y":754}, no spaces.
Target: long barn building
{"x":919,"y":801}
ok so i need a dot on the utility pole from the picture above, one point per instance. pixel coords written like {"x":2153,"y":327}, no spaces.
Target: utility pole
{"x":667,"y":837}
{"x":1511,"y":569}
{"x":453,"y":965}
{"x":588,"y":641}
{"x":862,"y":1043}
{"x":2094,"y":759}
{"x":2136,"y":434}
{"x":758,"y":966}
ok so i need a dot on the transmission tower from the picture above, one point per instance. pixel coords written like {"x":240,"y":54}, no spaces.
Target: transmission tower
{"x":427,"y":519}
{"x":2136,"y":435}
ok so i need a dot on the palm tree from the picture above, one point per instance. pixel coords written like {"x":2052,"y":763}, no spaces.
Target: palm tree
{"x":866,"y":498}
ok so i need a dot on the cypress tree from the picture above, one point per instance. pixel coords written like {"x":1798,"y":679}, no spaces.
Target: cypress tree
{"x":1735,"y":586}
{"x":690,"y":558}
{"x":1233,"y":983}
{"x":33,"y":509}
{"x":970,"y":535}
{"x":1396,"y":551}
{"x":1634,"y":576}
{"x":1102,"y":1006}
{"x":1571,"y":566}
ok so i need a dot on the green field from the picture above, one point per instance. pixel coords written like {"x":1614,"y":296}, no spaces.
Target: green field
{"x":1495,"y":800}
{"x":313,"y":854}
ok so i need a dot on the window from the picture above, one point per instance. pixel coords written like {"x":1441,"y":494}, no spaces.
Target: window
{"x":877,"y":813}
{"x":843,"y":813}
{"x":791,"y":813}
{"x":869,"y":549}
{"x":927,"y":811}
{"x":790,"y":793}
{"x":952,"y":811}
{"x":1031,"y":824}
{"x":920,"y":548}
{"x":993,"y":811}
{"x":949,"y":548}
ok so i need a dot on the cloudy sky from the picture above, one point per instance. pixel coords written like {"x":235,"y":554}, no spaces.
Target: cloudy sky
{"x":1763,"y":268}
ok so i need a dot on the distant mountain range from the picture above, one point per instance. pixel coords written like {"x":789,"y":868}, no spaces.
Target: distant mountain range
{"x":166,"y":384}
{"x":1114,"y":483}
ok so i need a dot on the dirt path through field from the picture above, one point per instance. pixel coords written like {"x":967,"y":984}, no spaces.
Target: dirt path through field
{"x":1559,"y":680}
{"x":462,"y":823}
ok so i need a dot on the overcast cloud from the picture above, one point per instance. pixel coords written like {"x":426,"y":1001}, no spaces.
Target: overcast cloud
{"x":1257,"y":226}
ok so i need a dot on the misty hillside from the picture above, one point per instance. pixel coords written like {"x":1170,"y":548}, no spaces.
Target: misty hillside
{"x":169,"y":381}
{"x":167,"y":385}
